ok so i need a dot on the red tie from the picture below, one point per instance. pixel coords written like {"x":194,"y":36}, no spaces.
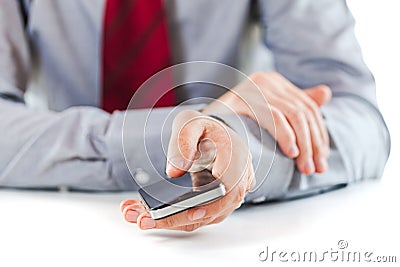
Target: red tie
{"x":135,"y":46}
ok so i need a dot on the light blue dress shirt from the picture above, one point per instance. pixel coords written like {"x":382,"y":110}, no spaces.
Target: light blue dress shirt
{"x":75,"y":144}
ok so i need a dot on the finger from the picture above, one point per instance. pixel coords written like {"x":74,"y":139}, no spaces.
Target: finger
{"x":189,"y":227}
{"x":322,"y":130}
{"x":297,"y":102}
{"x":251,"y":176}
{"x":284,"y":134}
{"x":195,"y":226}
{"x":192,"y":227}
{"x":218,"y":140}
{"x":186,"y":132}
{"x":205,"y":157}
{"x":225,"y":205}
{"x":283,"y":130}
{"x":200,"y":179}
{"x":318,"y":146}
{"x":132,"y":212}
{"x":228,"y":203}
{"x":318,"y":131}
{"x":219,"y":219}
{"x":300,"y":125}
{"x":265,"y":113}
{"x":223,"y":138}
{"x":180,"y":219}
{"x":127,"y":203}
{"x":318,"y":96}
{"x":321,"y":94}
{"x":270,"y":118}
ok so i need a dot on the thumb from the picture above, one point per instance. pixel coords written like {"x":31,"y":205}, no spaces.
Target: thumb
{"x":321,"y":94}
{"x":182,"y":148}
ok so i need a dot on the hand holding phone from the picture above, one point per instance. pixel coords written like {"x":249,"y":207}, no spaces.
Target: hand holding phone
{"x":231,"y":166}
{"x":170,"y":196}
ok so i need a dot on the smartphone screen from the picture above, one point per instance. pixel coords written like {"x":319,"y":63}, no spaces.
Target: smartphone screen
{"x":172,"y":195}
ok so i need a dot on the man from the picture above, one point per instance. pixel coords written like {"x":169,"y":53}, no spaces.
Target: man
{"x":90,"y":54}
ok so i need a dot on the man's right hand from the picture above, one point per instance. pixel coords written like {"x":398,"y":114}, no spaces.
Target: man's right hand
{"x":291,"y":115}
{"x":203,"y":141}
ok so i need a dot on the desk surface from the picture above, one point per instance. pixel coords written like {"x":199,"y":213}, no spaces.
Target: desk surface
{"x":77,"y":229}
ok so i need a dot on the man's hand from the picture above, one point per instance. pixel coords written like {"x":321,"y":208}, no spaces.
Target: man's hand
{"x":199,"y":140}
{"x":291,"y":115}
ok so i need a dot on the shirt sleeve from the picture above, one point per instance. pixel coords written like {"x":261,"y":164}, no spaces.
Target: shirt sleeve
{"x":79,"y":148}
{"x":14,"y":56}
{"x":313,"y":43}
{"x":82,"y":148}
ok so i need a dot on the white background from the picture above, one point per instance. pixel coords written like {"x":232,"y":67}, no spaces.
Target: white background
{"x":63,"y":229}
{"x":378,"y":31}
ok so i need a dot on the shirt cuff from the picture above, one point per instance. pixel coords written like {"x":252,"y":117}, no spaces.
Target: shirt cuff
{"x":137,"y":143}
{"x":118,"y":168}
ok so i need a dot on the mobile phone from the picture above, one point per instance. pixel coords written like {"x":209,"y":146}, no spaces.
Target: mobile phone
{"x":172,"y":195}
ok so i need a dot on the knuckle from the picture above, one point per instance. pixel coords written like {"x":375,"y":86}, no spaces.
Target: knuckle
{"x":277,"y":115}
{"x":317,"y":146}
{"x":294,"y":114}
{"x":305,"y":154}
{"x":302,"y":108}
{"x":274,"y":75}
{"x":307,"y":115}
{"x":284,"y":135}
{"x":239,"y":196}
{"x":319,"y":149}
{"x":253,"y":182}
{"x":187,"y":114}
{"x":314,"y":108}
{"x":249,"y":159}
{"x":219,"y":219}
{"x":285,"y":140}
{"x":170,"y":222}
{"x":318,"y":153}
{"x":217,"y":206}
{"x":191,"y":227}
{"x":257,"y":75}
{"x":251,"y":179}
{"x":216,"y":221}
{"x":311,"y":108}
{"x":258,"y":78}
{"x":220,"y":205}
{"x":314,"y":114}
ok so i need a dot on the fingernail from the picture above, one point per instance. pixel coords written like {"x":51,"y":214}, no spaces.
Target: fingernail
{"x":198,"y":214}
{"x":169,"y":168}
{"x":147,"y":223}
{"x":326,"y":87}
{"x":131,"y":215}
{"x":309,"y":167}
{"x":293,"y":151}
{"x":322,"y":164}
